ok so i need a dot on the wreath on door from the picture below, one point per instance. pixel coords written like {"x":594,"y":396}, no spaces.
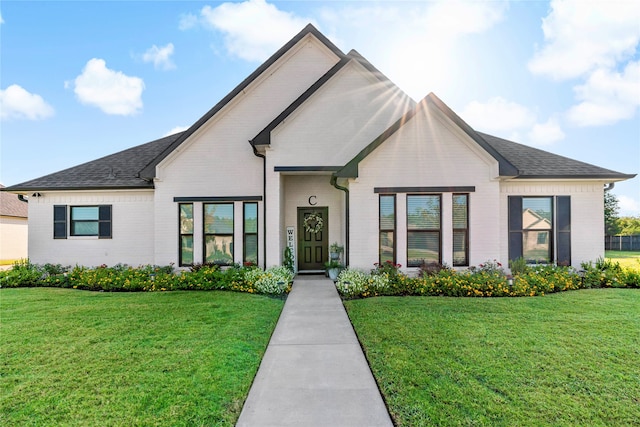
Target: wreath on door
{"x":313,"y":223}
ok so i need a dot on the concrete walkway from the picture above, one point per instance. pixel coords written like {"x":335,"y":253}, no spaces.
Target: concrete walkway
{"x":314,"y":372}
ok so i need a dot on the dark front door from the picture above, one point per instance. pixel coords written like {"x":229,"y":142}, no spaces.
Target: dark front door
{"x":312,"y":238}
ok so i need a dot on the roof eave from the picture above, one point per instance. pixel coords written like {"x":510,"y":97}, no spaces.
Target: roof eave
{"x":588,"y":177}
{"x":19,"y":189}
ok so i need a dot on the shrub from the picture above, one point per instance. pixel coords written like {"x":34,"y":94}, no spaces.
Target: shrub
{"x":352,"y":283}
{"x":489,"y":267}
{"x":605,"y":274}
{"x":23,"y":274}
{"x":431,"y":268}
{"x":274,"y":281}
{"x":518,"y":266}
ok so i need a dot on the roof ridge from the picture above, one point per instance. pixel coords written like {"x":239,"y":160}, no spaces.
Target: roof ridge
{"x":148,"y":172}
{"x":506,"y":168}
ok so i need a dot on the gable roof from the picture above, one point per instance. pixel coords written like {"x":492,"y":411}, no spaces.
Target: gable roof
{"x":10,"y":205}
{"x":135,"y":167}
{"x":534,"y":163}
{"x":514,"y":160}
{"x":149,"y":171}
{"x":264,"y":137}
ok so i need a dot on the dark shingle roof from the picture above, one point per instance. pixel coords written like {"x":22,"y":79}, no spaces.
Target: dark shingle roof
{"x":119,"y":170}
{"x":514,"y":160}
{"x":535,"y":163}
{"x":11,"y":206}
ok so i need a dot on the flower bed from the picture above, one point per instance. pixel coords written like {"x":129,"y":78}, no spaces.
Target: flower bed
{"x":485,"y":280}
{"x":124,"y":278}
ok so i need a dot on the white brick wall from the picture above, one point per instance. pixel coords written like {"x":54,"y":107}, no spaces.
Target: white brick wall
{"x":218,"y":161}
{"x":587,"y":214}
{"x":426,"y":152}
{"x":132,"y":229}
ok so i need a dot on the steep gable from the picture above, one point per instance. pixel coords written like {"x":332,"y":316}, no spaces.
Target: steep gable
{"x":309,"y":30}
{"x":332,"y":121}
{"x":514,"y":160}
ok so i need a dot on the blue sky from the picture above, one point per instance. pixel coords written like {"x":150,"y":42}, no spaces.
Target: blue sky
{"x":80,"y":80}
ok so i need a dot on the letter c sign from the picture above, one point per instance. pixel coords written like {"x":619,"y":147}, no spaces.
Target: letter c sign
{"x":312,"y":200}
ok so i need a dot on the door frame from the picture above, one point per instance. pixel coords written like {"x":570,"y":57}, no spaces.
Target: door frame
{"x":301,"y":211}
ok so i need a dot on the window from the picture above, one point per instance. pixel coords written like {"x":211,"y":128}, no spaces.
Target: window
{"x":218,"y":233}
{"x":387,"y":246}
{"x":540,"y":229}
{"x":186,"y":233}
{"x":60,"y":222}
{"x":250,"y":243}
{"x":91,"y":221}
{"x":460,"y":229}
{"x":423,"y":229}
{"x":537,"y":227}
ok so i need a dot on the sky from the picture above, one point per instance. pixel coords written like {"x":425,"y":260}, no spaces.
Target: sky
{"x":81,"y":80}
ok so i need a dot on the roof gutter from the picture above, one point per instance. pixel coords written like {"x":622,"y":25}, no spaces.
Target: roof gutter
{"x":264,"y":203}
{"x":22,"y":198}
{"x":334,"y":182}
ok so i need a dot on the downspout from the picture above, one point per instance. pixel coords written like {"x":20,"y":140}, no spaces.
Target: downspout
{"x":264,"y":203}
{"x":22,"y":198}
{"x":609,"y":186}
{"x":334,"y":182}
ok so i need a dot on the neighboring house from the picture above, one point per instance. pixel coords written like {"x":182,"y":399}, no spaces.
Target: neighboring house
{"x":314,"y":147}
{"x":13,"y":227}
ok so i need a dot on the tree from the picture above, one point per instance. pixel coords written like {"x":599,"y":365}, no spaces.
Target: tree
{"x":611,"y":227}
{"x":629,"y":225}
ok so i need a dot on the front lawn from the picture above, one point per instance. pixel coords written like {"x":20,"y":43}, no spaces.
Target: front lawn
{"x":70,"y":357}
{"x":629,"y":259}
{"x":571,"y":358}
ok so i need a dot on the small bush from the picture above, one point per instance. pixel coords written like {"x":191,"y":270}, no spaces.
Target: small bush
{"x":352,"y":283}
{"x":518,"y":266}
{"x":431,"y":268}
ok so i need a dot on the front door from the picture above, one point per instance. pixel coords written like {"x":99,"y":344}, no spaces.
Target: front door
{"x":313,"y":231}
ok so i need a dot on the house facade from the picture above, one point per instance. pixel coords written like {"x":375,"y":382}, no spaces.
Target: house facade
{"x":315,"y":147}
{"x":14,"y":228}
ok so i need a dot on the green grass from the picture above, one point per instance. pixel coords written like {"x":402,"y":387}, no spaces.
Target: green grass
{"x":81,"y":358}
{"x":630,"y":259}
{"x":566,"y":359}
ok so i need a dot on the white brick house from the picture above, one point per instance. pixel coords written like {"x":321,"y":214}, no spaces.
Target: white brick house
{"x":314,"y":131}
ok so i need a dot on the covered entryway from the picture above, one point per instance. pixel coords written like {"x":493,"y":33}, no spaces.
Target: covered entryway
{"x":313,"y":242}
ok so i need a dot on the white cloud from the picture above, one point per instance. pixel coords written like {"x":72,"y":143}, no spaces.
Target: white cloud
{"x":546,"y":133}
{"x":160,"y":56}
{"x":607,"y":97}
{"x":176,"y":130}
{"x":628,"y":206}
{"x":581,"y":36}
{"x":111,"y":91}
{"x":1,"y":19}
{"x":187,"y":21}
{"x":253,"y":29}
{"x":18,"y":103}
{"x":511,"y":120}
